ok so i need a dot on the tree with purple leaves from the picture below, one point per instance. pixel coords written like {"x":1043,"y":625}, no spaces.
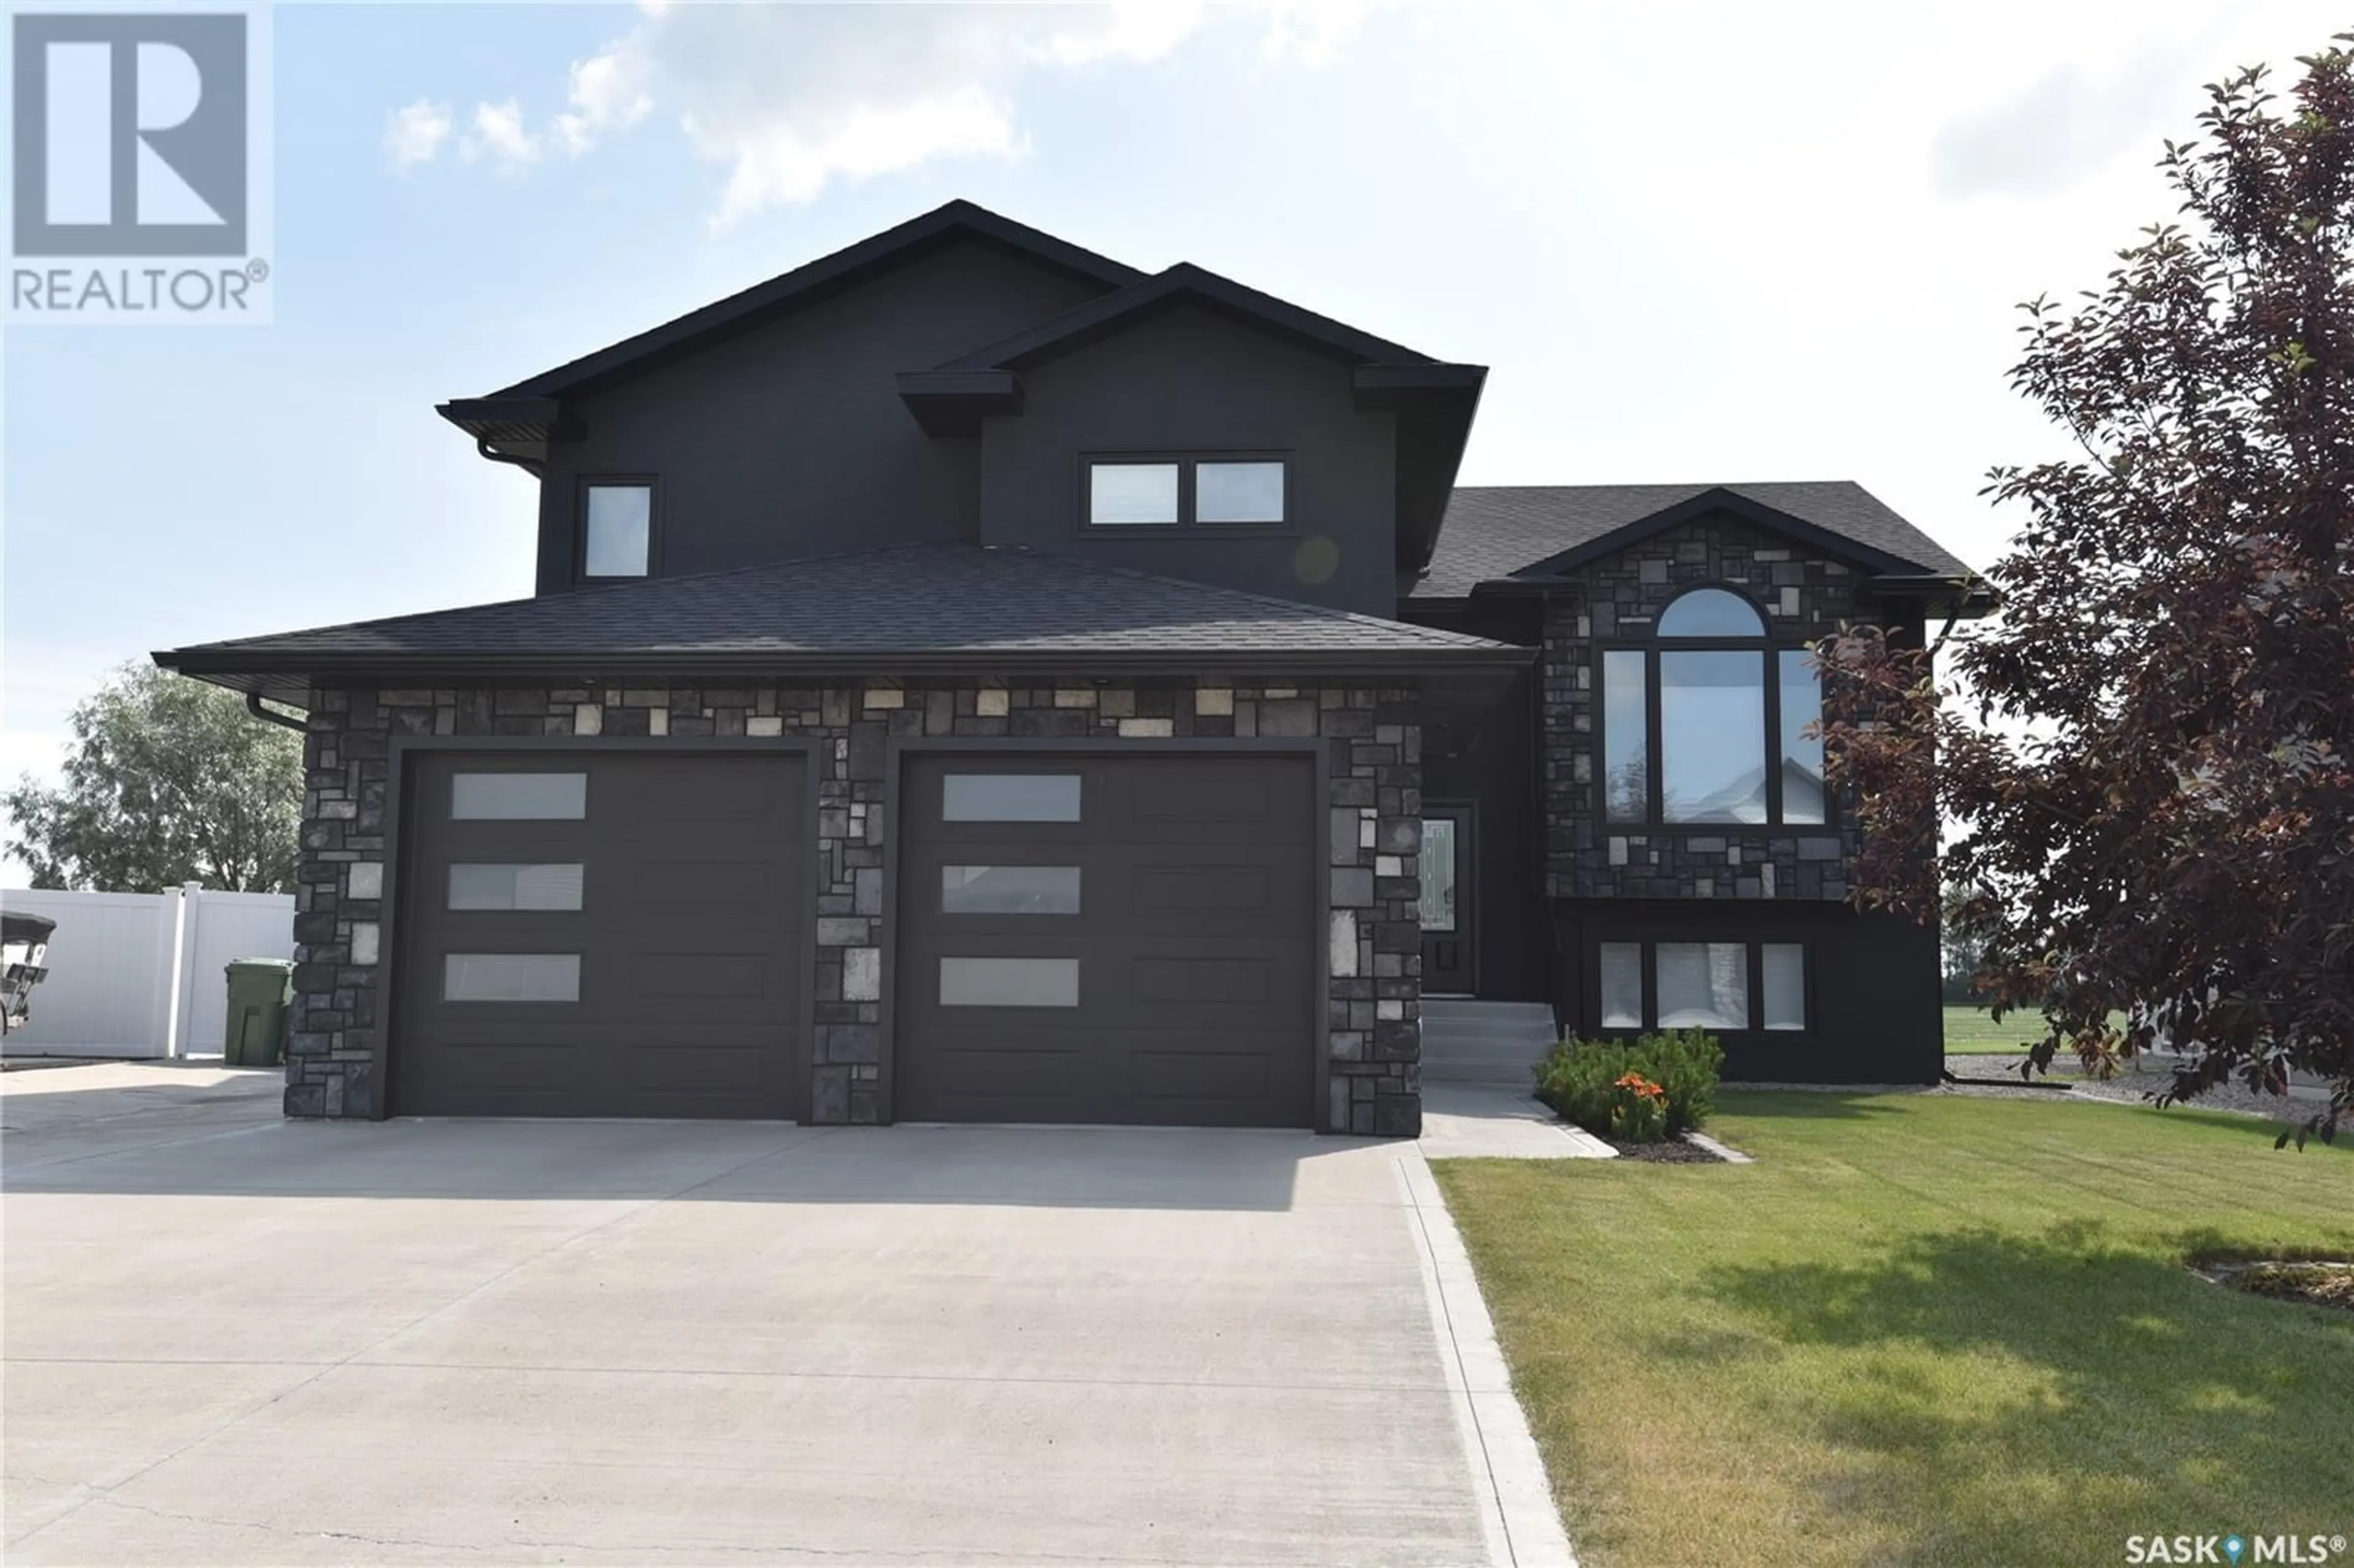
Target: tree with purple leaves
{"x":2145,"y":773}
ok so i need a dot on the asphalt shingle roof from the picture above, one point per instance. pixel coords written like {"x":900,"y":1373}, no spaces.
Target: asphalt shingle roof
{"x":930,"y":600}
{"x":1494,"y":531}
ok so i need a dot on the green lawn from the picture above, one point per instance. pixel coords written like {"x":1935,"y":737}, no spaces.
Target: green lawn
{"x":1922,"y":1329}
{"x":1969,"y":1029}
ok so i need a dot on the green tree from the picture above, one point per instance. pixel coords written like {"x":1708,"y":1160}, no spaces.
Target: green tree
{"x":2149,"y":786}
{"x":170,"y":781}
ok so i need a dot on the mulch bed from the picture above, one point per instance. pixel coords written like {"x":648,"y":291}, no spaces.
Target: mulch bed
{"x":1673,"y":1152}
{"x":2313,"y":1284}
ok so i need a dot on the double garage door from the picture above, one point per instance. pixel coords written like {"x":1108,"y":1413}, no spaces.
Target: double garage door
{"x":1097,"y":938}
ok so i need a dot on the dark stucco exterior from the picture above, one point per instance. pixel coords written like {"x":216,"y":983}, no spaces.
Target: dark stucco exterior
{"x":789,"y":439}
{"x":1188,"y":380}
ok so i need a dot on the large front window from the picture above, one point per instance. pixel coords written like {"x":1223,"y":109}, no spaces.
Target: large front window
{"x":1708,"y":724}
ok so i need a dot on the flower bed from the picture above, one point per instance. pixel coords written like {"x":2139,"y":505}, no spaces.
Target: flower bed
{"x":1647,"y":1091}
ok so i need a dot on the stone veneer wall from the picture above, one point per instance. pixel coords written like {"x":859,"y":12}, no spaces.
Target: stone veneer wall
{"x":1617,"y":600}
{"x":1374,"y":754}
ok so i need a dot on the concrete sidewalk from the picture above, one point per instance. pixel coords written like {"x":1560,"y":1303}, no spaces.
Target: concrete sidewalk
{"x":232,"y":1339}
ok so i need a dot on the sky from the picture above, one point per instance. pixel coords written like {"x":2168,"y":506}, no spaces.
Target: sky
{"x":1694,"y":243}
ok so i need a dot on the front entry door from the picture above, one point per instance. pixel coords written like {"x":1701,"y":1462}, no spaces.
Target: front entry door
{"x":1449,"y":962}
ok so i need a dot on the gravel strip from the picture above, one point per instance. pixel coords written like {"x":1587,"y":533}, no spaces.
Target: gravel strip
{"x":2132,"y":1086}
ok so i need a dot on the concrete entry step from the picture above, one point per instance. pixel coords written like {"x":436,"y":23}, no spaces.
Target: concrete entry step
{"x":1468,"y":1040}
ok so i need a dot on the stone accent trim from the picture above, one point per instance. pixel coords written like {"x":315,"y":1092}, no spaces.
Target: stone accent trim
{"x":1614,"y":600}
{"x":1373,"y":749}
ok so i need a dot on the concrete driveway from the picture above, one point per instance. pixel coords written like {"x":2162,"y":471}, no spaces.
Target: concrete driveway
{"x":231,"y":1339}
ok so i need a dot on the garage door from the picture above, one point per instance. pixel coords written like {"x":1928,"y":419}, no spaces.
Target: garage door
{"x":1100,"y":939}
{"x":615,"y":935}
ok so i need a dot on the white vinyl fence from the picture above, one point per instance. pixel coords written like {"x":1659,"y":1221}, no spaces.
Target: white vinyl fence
{"x":142,"y":974}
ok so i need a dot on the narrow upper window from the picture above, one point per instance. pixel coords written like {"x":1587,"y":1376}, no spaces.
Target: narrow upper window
{"x":1205,"y":492}
{"x":1128,"y":494}
{"x":1238,"y":493}
{"x":617,"y":530}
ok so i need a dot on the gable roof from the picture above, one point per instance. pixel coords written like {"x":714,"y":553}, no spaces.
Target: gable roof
{"x":900,"y":610}
{"x":1181,"y":284}
{"x":844,"y":268}
{"x":1494,"y":532}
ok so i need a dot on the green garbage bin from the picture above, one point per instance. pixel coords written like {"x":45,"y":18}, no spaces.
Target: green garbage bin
{"x":259,"y":991}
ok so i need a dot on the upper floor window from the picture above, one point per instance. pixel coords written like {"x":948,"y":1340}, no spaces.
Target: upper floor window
{"x":1208,"y":492}
{"x":617,"y":528}
{"x":1708,"y":724}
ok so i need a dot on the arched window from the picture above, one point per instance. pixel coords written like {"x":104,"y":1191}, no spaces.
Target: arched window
{"x":1711,"y":612}
{"x":1689,"y":723}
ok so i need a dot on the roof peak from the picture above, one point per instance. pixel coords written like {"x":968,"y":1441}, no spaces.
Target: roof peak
{"x":836,"y":270}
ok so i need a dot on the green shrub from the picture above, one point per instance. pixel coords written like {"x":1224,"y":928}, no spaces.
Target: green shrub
{"x":1585,"y":1082}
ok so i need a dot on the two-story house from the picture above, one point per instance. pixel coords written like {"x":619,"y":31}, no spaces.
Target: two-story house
{"x":970,"y":679}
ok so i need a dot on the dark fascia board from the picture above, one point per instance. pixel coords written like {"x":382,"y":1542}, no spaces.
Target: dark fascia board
{"x":954,"y":402}
{"x":1720,"y":499}
{"x":275,"y":674}
{"x":1964,"y":597}
{"x":510,"y":421}
{"x":844,"y":268}
{"x":1413,"y":386}
{"x":1183,"y":284}
{"x":1433,"y":405}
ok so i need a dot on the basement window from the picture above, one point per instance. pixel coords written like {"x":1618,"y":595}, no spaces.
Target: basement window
{"x":1725,"y":987}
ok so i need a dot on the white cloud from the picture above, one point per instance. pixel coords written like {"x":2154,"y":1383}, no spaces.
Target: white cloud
{"x":2069,"y":123}
{"x":609,"y":93}
{"x":774,"y":163}
{"x":414,"y":134}
{"x":1136,"y":31}
{"x":1310,"y":32}
{"x":498,"y":134}
{"x":791,"y":99}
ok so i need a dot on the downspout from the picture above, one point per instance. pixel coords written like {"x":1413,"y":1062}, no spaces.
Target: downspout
{"x":531,"y":466}
{"x":271,"y":716}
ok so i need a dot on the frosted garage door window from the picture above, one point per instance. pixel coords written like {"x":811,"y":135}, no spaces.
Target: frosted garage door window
{"x":511,"y":977}
{"x":1703,"y":985}
{"x":1009,"y":890}
{"x":518,"y":797}
{"x":1009,"y":982}
{"x":1622,"y":985}
{"x":515,"y":886}
{"x":1785,"y":965}
{"x":1010,"y":798}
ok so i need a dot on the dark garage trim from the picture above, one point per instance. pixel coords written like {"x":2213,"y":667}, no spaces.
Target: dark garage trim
{"x":393,"y":953}
{"x":1317,"y":750}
